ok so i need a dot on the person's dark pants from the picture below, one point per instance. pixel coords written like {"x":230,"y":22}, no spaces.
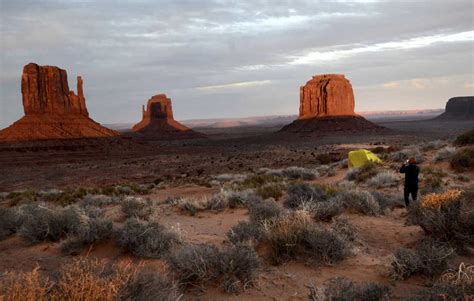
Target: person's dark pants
{"x":410,"y":190}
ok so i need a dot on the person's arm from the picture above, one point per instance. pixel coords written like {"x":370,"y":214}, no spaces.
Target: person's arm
{"x":403,"y":169}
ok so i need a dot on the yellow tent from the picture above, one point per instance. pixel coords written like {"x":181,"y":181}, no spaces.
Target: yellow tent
{"x":361,"y":157}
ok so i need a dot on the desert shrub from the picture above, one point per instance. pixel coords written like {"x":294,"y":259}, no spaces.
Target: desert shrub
{"x":245,"y":233}
{"x":447,"y":217}
{"x":239,"y":199}
{"x":344,"y":229}
{"x":323,"y":158}
{"x":201,"y":265}
{"x":98,"y":200}
{"x":264,"y":210}
{"x":432,"y":183}
{"x":21,"y":197}
{"x":429,"y":258}
{"x":136,"y":207}
{"x":384,"y":179}
{"x":295,"y":235}
{"x":463,"y":160}
{"x":9,"y":221}
{"x":361,"y":174}
{"x":69,"y":196}
{"x":149,"y":285}
{"x":432,"y":145}
{"x":343,"y":289}
{"x":405,"y":154}
{"x":272,"y":190}
{"x":359,"y":201}
{"x":302,"y":173}
{"x":301,"y":194}
{"x":84,"y":227}
{"x":24,"y":286}
{"x":388,"y":201}
{"x":465,"y":139}
{"x":147,"y":239}
{"x":217,"y":202}
{"x":444,"y":153}
{"x":40,"y":221}
{"x":192,"y":205}
{"x":324,"y":246}
{"x":325,"y":211}
{"x":258,"y":180}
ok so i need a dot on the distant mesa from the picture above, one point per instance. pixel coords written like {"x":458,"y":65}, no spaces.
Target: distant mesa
{"x":52,"y":111}
{"x":158,"y":121}
{"x":458,"y":108}
{"x":327,"y":105}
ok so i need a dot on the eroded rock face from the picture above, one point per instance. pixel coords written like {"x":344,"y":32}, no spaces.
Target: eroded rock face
{"x":459,"y":108}
{"x":52,"y":111}
{"x":158,"y":121}
{"x":326,"y":95}
{"x":327,"y":106}
{"x":45,"y":90}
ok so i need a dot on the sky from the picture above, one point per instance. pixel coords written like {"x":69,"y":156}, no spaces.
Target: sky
{"x":223,"y":59}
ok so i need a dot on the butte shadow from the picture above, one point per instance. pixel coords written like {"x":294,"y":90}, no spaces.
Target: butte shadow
{"x":327,"y":106}
{"x":158,"y":122}
{"x":52,"y":111}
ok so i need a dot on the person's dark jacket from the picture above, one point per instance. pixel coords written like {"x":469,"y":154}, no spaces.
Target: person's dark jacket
{"x":411,"y":172}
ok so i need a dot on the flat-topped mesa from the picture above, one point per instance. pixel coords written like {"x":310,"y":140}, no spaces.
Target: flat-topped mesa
{"x":327,"y":106}
{"x":52,"y":111}
{"x":45,"y":90}
{"x":326,"y":95}
{"x":158,"y":122}
{"x":461,"y":107}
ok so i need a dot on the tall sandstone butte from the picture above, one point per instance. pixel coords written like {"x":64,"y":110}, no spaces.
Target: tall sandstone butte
{"x":158,"y":122}
{"x":327,"y":105}
{"x":459,"y":108}
{"x":52,"y":111}
{"x":326,"y":95}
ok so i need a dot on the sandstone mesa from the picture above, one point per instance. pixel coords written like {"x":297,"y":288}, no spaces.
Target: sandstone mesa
{"x":52,"y":111}
{"x":158,"y":121}
{"x":327,"y":105}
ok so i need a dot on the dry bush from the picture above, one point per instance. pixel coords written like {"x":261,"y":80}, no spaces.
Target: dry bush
{"x":136,"y":207}
{"x":300,"y":195}
{"x":9,"y":221}
{"x":433,"y":145}
{"x":463,"y":160}
{"x":326,"y":211}
{"x":147,"y":239}
{"x":199,"y":266}
{"x":245,"y":233}
{"x":388,"y":201}
{"x":295,"y":235}
{"x":344,"y":229}
{"x":405,"y":154}
{"x":272,"y":190}
{"x":447,"y":217}
{"x":192,"y":205}
{"x":444,"y":153}
{"x":84,"y":227}
{"x":263,"y":210}
{"x":384,"y":179}
{"x":258,"y":180}
{"x":19,"y":286}
{"x":359,"y":201}
{"x":363,"y":173}
{"x":40,"y":221}
{"x":292,"y":173}
{"x":465,"y":139}
{"x":241,"y":199}
{"x":429,"y":258}
{"x":452,"y":285}
{"x":344,"y":289}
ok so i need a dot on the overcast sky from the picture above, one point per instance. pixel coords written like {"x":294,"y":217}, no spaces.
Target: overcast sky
{"x":239,"y":58}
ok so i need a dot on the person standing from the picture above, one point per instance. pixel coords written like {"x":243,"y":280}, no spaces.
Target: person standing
{"x":411,"y":171}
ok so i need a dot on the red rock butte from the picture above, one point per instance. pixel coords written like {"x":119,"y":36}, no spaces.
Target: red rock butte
{"x":327,"y":105}
{"x":158,"y":121}
{"x":52,"y":111}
